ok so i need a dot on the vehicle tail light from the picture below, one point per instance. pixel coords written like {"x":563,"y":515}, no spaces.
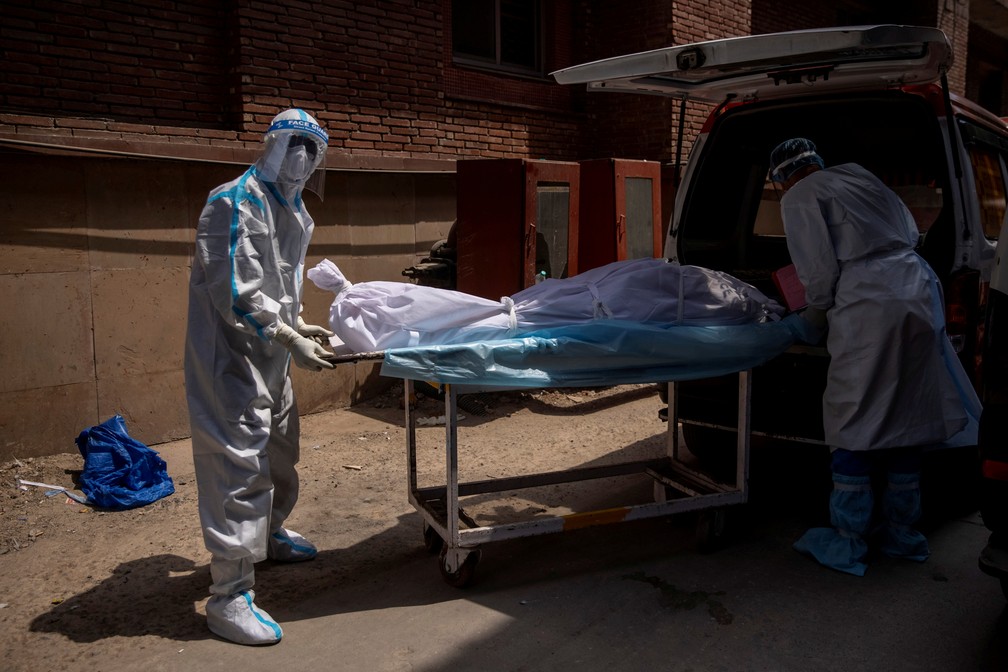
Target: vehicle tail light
{"x":956,"y":323}
{"x":994,"y":470}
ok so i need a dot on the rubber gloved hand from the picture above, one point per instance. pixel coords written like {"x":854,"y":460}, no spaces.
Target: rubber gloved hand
{"x":320,"y":335}
{"x":306,"y":353}
{"x":809,"y":325}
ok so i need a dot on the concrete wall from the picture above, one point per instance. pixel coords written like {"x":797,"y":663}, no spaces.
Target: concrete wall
{"x":94,"y":268}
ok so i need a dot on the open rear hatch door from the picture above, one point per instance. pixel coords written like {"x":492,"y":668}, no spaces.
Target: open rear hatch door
{"x":773,"y":65}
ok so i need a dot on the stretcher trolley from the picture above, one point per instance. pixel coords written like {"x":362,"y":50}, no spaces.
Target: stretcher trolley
{"x":456,"y":537}
{"x":599,"y":356}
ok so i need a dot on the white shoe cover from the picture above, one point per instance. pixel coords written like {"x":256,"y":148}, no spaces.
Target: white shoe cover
{"x":289,"y":546}
{"x":238,"y":619}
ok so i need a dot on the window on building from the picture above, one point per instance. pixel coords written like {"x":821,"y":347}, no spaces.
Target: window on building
{"x":504,"y":35}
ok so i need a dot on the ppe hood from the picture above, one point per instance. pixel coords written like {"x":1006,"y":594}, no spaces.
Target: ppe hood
{"x":775,"y":65}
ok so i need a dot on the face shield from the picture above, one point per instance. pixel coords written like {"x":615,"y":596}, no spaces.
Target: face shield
{"x":294,"y":153}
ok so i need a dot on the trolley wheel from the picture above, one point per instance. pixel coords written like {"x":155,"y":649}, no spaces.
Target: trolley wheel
{"x":432,"y":540}
{"x":461,"y":577}
{"x":711,"y":529}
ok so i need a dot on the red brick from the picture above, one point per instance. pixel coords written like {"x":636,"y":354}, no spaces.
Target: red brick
{"x":379,"y":76}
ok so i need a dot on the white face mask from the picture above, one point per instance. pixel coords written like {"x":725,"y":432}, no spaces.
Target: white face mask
{"x":296,"y":166}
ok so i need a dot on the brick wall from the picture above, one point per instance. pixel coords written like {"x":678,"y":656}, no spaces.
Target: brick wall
{"x":646,"y":127}
{"x":696,"y":22}
{"x":988,"y":82}
{"x":771,"y":16}
{"x":626,"y":125}
{"x":145,"y":61}
{"x":776,"y":15}
{"x":953,"y":18}
{"x":377,"y":75}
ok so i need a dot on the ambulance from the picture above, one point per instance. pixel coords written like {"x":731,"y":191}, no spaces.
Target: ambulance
{"x":874,"y":95}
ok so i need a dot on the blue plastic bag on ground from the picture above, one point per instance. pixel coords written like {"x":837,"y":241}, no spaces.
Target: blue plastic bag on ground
{"x":119,"y":471}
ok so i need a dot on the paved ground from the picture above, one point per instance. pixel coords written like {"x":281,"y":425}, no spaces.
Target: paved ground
{"x":638,"y":597}
{"x":634,"y":596}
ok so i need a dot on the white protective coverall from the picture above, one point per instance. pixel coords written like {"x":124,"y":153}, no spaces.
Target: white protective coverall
{"x":378,"y":315}
{"x":894,"y":384}
{"x":893,"y":379}
{"x":245,"y":292}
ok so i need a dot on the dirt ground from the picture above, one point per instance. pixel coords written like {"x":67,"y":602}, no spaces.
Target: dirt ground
{"x":78,"y":584}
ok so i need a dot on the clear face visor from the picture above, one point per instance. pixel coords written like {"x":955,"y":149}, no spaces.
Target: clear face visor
{"x":314,"y":152}
{"x":293,"y":158}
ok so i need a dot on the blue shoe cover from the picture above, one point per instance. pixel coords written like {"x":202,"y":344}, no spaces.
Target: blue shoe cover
{"x":905,"y":543}
{"x":832,"y":549}
{"x":842,"y":547}
{"x":237,"y":619}
{"x":289,"y":546}
{"x":902,"y":508}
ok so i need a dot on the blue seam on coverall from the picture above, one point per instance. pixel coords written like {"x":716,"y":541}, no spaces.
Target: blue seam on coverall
{"x":297,"y":201}
{"x":271,"y":186}
{"x":239,"y":194}
{"x":276,"y":194}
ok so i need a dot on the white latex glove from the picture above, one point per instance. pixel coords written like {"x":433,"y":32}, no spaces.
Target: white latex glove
{"x":320,"y":335}
{"x":306,"y":353}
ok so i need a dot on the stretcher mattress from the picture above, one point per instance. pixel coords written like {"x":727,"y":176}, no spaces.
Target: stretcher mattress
{"x":599,"y":353}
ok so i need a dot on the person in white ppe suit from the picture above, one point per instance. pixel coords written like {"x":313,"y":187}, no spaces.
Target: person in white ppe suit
{"x":244,"y":330}
{"x":894,"y":384}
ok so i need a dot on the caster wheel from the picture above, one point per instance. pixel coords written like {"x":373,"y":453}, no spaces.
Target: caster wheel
{"x":432,"y":540}
{"x":710,"y":531}
{"x":464,"y":574}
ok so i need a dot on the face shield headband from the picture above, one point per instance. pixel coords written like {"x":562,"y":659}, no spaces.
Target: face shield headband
{"x":785,"y":169}
{"x":300,"y":127}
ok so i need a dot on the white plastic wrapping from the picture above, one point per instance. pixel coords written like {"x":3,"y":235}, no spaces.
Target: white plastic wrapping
{"x":379,"y":315}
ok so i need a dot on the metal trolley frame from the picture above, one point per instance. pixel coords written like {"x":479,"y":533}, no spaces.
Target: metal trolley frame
{"x":456,"y":537}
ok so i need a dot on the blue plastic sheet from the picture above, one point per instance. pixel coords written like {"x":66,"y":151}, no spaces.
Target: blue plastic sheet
{"x":119,"y":471}
{"x":597,"y":354}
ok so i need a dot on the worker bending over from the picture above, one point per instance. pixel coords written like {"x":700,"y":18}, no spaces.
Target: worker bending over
{"x":894,"y":384}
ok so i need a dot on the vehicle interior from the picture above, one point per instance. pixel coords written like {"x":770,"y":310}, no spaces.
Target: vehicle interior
{"x":731,"y":216}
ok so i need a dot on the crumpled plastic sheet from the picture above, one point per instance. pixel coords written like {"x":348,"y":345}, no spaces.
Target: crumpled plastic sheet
{"x":600,"y":353}
{"x":119,"y":471}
